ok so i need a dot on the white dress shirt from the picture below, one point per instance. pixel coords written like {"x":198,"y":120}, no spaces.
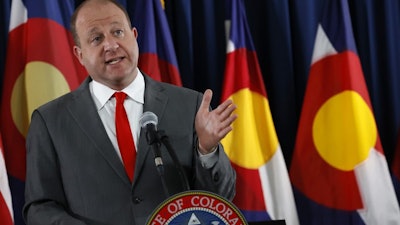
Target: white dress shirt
{"x":133,"y":104}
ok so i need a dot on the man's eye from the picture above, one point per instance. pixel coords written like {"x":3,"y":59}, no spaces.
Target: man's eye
{"x":119,"y":33}
{"x":96,"y":39}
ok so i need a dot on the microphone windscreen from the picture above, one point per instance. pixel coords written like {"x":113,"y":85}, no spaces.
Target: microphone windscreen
{"x":148,"y":118}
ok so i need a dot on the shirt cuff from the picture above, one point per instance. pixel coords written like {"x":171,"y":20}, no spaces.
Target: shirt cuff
{"x":208,"y":160}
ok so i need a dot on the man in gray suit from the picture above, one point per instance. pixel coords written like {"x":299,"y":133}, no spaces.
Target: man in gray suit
{"x":75,"y":174}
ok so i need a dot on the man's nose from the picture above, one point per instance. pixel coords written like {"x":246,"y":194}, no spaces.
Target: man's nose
{"x":110,"y":44}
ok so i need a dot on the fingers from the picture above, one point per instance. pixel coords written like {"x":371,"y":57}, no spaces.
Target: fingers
{"x":225,"y":109}
{"x":227,"y":121}
{"x":219,"y":120}
{"x":212,"y":126}
{"x":205,"y":103}
{"x":225,"y":117}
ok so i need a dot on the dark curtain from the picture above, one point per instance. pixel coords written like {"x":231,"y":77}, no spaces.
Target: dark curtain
{"x":4,"y":21}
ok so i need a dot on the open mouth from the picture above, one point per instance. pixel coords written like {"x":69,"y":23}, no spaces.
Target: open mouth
{"x":114,"y":60}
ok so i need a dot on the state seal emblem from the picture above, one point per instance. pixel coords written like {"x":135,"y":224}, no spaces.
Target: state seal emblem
{"x":196,"y":208}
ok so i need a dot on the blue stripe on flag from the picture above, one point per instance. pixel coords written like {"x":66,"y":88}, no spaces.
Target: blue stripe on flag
{"x":337,"y":25}
{"x":154,"y":35}
{"x":59,"y":11}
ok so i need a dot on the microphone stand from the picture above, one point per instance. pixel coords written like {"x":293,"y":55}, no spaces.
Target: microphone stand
{"x":154,"y":140}
{"x":164,"y":139}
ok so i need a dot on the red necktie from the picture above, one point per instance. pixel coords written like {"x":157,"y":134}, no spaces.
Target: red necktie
{"x":124,"y":135}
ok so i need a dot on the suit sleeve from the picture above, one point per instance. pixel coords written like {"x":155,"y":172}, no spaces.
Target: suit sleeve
{"x":44,"y":196}
{"x":219,"y":178}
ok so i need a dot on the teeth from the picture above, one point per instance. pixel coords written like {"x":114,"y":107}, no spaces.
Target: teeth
{"x":114,"y":61}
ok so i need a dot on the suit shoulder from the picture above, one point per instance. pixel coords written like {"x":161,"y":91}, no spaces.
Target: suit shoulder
{"x":180,"y":90}
{"x":62,"y":102}
{"x":58,"y":104}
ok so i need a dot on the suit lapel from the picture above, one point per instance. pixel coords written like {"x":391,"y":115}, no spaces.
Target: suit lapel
{"x":84,"y":112}
{"x":154,"y":101}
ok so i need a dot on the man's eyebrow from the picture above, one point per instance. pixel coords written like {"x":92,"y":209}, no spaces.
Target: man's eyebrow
{"x":116,"y":23}
{"x":92,"y":30}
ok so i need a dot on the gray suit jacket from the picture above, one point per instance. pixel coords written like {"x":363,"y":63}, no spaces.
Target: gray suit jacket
{"x":74,"y":175}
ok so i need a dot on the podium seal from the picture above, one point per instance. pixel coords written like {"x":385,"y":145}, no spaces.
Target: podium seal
{"x":196,"y":208}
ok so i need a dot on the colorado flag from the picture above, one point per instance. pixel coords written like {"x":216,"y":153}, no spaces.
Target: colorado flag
{"x":157,"y":54}
{"x":339,"y":169}
{"x":263,"y":190}
{"x":40,"y":66}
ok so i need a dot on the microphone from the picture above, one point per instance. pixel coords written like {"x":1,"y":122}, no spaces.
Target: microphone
{"x":148,"y":121}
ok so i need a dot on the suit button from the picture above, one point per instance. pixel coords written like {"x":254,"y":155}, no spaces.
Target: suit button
{"x":216,"y":177}
{"x":136,"y":200}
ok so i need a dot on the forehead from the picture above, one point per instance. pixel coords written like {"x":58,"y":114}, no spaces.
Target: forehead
{"x":95,"y":14}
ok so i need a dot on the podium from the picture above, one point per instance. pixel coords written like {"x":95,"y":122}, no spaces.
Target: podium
{"x":200,"y":207}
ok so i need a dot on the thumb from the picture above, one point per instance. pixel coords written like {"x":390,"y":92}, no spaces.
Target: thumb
{"x":205,"y":103}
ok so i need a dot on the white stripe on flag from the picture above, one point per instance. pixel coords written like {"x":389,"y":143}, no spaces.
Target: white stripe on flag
{"x":277,"y":189}
{"x":19,"y":14}
{"x":377,"y":191}
{"x":322,"y":46}
{"x":4,"y":187}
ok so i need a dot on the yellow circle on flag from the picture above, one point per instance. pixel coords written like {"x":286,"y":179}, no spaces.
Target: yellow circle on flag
{"x":344,"y":130}
{"x":39,"y":83}
{"x":253,"y":140}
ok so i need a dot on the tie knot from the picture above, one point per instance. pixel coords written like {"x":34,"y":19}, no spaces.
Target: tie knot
{"x":120,"y":96}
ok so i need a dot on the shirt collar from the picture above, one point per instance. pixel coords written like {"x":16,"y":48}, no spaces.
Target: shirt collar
{"x":134,"y":90}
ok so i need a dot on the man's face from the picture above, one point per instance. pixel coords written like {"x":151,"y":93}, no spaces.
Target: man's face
{"x":109,"y":49}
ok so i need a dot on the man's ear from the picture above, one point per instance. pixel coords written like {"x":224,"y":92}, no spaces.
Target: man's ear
{"x":135,"y":32}
{"x":78,"y":53}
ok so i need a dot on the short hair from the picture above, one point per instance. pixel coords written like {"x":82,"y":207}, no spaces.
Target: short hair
{"x":75,"y":15}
